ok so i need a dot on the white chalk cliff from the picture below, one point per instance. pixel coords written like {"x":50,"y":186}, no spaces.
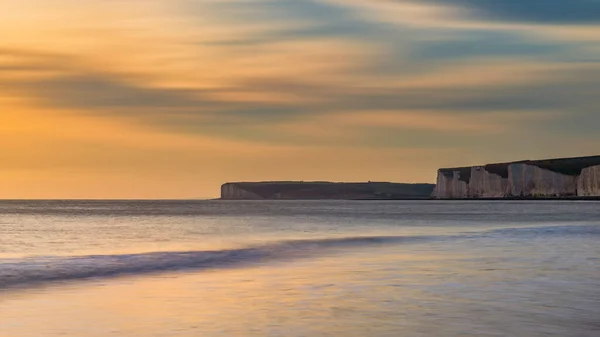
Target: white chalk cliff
{"x":532,"y":181}
{"x":588,"y":183}
{"x":484,"y":184}
{"x":569,"y":177}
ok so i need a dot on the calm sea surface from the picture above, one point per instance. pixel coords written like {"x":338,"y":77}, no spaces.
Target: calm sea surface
{"x":297,"y":268}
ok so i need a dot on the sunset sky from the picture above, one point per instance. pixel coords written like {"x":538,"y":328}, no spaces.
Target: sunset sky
{"x":171,"y":98}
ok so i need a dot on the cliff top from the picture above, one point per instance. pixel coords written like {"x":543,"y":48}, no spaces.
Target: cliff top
{"x":568,"y":166}
{"x":295,"y":182}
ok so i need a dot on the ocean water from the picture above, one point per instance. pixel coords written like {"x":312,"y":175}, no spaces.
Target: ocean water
{"x":299,"y":268}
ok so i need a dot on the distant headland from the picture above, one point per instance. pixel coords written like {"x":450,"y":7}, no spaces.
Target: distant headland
{"x":301,"y":190}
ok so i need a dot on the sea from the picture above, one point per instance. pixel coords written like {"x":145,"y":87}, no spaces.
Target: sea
{"x":299,"y":268}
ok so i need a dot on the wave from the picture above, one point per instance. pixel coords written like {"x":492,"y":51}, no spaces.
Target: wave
{"x":36,"y":271}
{"x":42,"y":270}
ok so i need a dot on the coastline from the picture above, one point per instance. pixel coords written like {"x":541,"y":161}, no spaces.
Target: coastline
{"x":595,"y":198}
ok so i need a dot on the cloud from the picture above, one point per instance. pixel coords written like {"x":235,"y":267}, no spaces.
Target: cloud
{"x":101,"y":91}
{"x":280,"y":21}
{"x":531,"y":20}
{"x":475,"y":44}
{"x":536,"y":11}
{"x":458,"y":97}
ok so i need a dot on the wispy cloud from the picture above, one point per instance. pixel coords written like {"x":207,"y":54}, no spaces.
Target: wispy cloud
{"x":541,"y":11}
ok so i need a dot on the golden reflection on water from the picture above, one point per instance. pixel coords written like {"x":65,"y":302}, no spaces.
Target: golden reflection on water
{"x":299,"y":299}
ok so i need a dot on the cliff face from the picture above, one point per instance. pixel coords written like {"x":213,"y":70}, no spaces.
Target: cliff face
{"x":588,"y":183}
{"x":442,"y":185}
{"x":452,"y":183}
{"x":484,"y":184}
{"x":234,"y":191}
{"x":530,"y":179}
{"x":323,"y":190}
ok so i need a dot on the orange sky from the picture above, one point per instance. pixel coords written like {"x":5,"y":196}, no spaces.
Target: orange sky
{"x":169,"y":99}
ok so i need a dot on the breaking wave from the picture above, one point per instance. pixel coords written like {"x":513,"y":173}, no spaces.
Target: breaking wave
{"x":41,"y":270}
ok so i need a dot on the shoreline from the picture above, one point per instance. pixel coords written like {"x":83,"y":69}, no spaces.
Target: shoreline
{"x":595,"y":198}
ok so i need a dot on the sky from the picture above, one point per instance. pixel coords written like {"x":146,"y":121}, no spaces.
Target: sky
{"x":172,"y":98}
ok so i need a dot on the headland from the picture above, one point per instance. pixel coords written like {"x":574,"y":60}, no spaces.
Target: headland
{"x":301,"y":190}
